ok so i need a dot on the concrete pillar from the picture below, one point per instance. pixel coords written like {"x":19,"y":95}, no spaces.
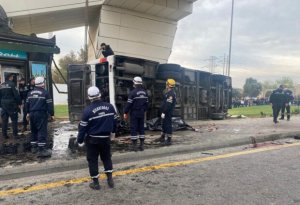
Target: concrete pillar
{"x":132,"y":33}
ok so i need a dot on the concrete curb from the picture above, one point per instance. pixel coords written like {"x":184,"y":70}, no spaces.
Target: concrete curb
{"x":80,"y":163}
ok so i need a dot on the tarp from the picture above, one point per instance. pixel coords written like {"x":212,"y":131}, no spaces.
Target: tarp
{"x":177,"y":124}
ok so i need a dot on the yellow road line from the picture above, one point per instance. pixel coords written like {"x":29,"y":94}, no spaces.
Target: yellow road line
{"x":139,"y":170}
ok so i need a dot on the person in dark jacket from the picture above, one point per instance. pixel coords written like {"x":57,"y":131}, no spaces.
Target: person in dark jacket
{"x":97,"y":125}
{"x":23,"y":90}
{"x":39,"y":106}
{"x":31,"y":84}
{"x":10,"y":104}
{"x":106,"y":50}
{"x":167,"y":108}
{"x":277,"y":99}
{"x":288,"y":99}
{"x":137,"y":105}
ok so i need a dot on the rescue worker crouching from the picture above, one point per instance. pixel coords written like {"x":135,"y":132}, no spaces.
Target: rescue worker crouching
{"x":137,"y":105}
{"x":167,"y":108}
{"x":10,"y":103}
{"x":39,"y":105}
{"x":97,"y":125}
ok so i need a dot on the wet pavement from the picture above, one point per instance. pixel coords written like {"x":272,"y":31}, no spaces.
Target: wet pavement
{"x":208,"y":133}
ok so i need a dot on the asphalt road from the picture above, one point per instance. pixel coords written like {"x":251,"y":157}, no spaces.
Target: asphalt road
{"x":265,"y":175}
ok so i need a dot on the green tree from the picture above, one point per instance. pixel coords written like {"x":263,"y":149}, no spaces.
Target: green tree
{"x":237,"y":93}
{"x":287,"y":81}
{"x":252,"y":87}
{"x":70,"y":58}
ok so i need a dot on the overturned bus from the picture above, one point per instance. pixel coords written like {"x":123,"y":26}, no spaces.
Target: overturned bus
{"x":200,"y":95}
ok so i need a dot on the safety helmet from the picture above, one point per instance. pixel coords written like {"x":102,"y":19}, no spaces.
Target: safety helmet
{"x":39,"y":81}
{"x":171,"y":83}
{"x":93,"y":92}
{"x":137,"y":80}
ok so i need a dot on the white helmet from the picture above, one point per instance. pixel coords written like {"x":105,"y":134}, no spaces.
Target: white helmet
{"x":137,"y":80}
{"x":39,"y":81}
{"x":93,"y":92}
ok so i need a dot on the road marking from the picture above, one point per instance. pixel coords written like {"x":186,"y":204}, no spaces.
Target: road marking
{"x":139,"y":170}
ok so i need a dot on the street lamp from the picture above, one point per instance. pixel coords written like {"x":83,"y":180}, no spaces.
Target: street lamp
{"x":230,"y":38}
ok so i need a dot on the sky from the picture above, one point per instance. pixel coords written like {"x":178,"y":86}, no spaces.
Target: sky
{"x":265,"y":41}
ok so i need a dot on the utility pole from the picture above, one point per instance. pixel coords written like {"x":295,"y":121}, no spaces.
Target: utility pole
{"x":230,"y":39}
{"x":86,"y":15}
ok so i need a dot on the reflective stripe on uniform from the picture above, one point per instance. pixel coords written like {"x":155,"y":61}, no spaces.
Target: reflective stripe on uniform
{"x":142,"y":136}
{"x":105,"y":115}
{"x":134,"y":137}
{"x":141,"y":97}
{"x":82,"y":123}
{"x":108,"y":171}
{"x":94,"y":177}
{"x":98,"y":136}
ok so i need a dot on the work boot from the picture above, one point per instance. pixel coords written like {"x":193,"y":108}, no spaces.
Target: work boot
{"x":43,"y":152}
{"x":134,"y":145}
{"x":169,"y":140}
{"x":95,"y":184}
{"x":288,"y":118}
{"x":110,"y":180}
{"x":24,"y":129}
{"x":162,"y":137}
{"x":142,"y":144}
{"x":34,"y":149}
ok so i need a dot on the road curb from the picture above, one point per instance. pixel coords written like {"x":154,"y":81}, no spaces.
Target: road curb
{"x":56,"y":166}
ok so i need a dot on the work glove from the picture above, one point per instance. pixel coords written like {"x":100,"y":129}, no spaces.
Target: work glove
{"x":27,"y":117}
{"x":163,"y":116}
{"x":52,"y":118}
{"x":125,"y":116}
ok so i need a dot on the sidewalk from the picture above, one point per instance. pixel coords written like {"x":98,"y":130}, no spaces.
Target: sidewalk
{"x":211,"y":135}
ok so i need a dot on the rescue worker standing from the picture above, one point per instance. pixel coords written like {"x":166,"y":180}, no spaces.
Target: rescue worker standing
{"x":97,"y":124}
{"x":167,"y":108}
{"x":10,"y":102}
{"x":39,"y":105}
{"x":23,"y":90}
{"x":288,"y":98}
{"x":137,"y":105}
{"x":277,"y":100}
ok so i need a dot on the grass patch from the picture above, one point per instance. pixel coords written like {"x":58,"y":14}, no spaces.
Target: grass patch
{"x":255,"y":111}
{"x":61,"y":111}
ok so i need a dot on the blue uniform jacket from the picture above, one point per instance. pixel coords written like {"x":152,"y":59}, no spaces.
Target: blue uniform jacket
{"x":169,"y":102}
{"x":98,"y":120}
{"x":9,"y":95}
{"x":137,"y":103}
{"x":288,"y":96}
{"x":39,"y":100}
{"x":277,"y":97}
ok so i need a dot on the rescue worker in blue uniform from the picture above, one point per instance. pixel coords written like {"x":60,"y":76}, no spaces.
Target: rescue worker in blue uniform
{"x":97,"y":126}
{"x":106,"y":50}
{"x":39,"y":106}
{"x":167,"y":108}
{"x":277,"y":100}
{"x":23,"y":90}
{"x":10,"y":103}
{"x":137,"y":105}
{"x":288,"y":99}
